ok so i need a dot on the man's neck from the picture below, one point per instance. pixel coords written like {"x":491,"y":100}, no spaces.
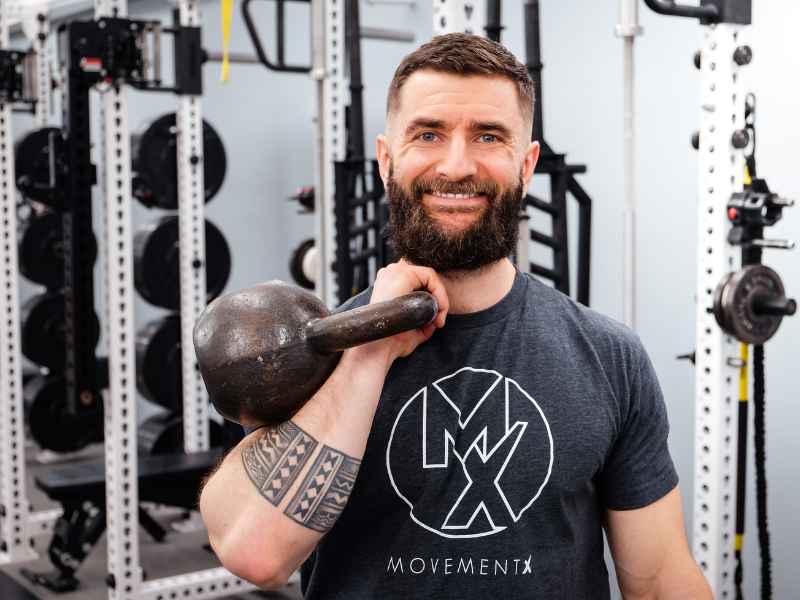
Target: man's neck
{"x":473,"y":291}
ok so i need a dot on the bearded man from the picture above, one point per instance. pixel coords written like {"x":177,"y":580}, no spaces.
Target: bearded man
{"x":483,"y":455}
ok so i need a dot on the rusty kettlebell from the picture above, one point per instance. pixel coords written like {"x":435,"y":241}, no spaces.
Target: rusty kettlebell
{"x":265,"y":350}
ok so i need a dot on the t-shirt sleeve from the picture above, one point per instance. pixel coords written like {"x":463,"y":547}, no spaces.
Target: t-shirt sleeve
{"x":639,"y":469}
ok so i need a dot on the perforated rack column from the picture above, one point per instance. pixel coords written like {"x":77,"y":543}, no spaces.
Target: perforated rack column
{"x":191,"y":225}
{"x":122,"y":492}
{"x":328,"y":71}
{"x":14,"y":509}
{"x":41,"y":45}
{"x":467,"y":16}
{"x":721,"y":174}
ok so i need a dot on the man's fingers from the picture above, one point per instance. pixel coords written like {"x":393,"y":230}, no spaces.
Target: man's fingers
{"x":402,"y":278}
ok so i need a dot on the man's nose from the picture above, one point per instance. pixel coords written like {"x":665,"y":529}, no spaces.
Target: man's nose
{"x":457,"y":163}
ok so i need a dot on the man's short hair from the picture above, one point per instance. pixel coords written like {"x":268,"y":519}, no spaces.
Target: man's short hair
{"x":464,"y":54}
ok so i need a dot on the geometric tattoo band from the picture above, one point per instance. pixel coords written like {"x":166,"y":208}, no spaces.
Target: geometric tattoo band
{"x":275,"y":460}
{"x":324,"y":491}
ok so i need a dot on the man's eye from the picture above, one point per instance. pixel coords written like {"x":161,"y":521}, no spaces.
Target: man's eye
{"x":427,"y":136}
{"x":489,"y":138}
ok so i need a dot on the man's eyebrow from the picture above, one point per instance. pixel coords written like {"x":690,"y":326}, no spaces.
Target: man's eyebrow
{"x":502,"y":129}
{"x":424,"y":123}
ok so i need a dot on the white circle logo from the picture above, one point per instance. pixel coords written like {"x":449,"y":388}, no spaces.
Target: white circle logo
{"x":469,"y":455}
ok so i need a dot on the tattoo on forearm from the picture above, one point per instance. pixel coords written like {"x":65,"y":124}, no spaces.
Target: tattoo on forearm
{"x":325,"y":490}
{"x":275,"y":460}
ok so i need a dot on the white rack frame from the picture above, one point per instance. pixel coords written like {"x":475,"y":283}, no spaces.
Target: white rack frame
{"x":18,"y":522}
{"x":466,"y":16}
{"x":721,"y":174}
{"x":328,"y":70}
{"x":122,"y":498}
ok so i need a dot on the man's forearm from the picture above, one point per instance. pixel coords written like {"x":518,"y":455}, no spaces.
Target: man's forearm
{"x":304,"y":469}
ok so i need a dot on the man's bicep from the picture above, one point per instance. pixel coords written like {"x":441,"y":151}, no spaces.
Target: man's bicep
{"x":648,"y":543}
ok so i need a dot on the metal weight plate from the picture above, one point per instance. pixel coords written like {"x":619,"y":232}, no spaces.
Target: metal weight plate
{"x":41,"y":250}
{"x":159,"y":375}
{"x":157,"y":260}
{"x":300,"y":261}
{"x":43,"y":330}
{"x":155,"y":163}
{"x":720,"y":314}
{"x":35,"y":154}
{"x":734,"y":303}
{"x":50,"y":424}
{"x":163,"y":434}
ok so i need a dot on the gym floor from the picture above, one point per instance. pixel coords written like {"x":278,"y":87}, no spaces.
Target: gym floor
{"x":184,"y":550}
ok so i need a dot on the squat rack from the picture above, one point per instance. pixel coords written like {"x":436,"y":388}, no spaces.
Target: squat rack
{"x":18,"y":522}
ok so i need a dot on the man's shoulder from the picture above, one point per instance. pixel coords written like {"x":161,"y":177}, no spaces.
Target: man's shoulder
{"x":549,"y":305}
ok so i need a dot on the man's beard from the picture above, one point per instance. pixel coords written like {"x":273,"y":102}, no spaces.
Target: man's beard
{"x":416,"y":236}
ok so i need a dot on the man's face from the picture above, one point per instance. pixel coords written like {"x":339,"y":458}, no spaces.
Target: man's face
{"x":456,"y":159}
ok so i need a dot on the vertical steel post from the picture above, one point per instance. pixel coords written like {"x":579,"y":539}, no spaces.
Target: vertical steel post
{"x":721,"y":174}
{"x":328,"y":70}
{"x":15,"y":543}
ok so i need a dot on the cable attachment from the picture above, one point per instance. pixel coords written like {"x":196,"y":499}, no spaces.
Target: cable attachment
{"x":752,"y":210}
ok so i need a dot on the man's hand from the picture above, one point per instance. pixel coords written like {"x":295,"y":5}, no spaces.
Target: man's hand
{"x":398,"y":279}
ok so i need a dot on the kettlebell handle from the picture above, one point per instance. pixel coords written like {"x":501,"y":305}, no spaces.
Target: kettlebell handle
{"x":372,"y":322}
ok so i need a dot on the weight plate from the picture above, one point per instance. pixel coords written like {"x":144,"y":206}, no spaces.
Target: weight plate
{"x":737,"y":301}
{"x":158,"y":362}
{"x":155,"y":163}
{"x":41,"y":250}
{"x":719,"y":312}
{"x":157,"y":259}
{"x":296,"y":269}
{"x":32,"y":162}
{"x":163,"y":434}
{"x":43,"y":330}
{"x":51,"y":426}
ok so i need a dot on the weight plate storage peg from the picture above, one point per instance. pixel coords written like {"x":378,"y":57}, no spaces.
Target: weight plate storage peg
{"x":51,"y":425}
{"x":163,"y":434}
{"x":158,"y":362}
{"x":751,"y":303}
{"x":155,"y":163}
{"x":43,"y":338}
{"x":41,"y":250}
{"x":157,"y":262}
{"x":35,"y":156}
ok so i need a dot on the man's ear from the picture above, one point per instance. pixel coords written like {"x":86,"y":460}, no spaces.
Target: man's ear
{"x":384,"y":157}
{"x":529,"y":162}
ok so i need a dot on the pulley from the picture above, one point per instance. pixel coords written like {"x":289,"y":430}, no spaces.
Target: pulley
{"x":157,"y":260}
{"x":163,"y":434}
{"x":41,"y":169}
{"x":303,"y":264}
{"x":750,"y":304}
{"x":43,"y":338}
{"x":155,"y":163}
{"x":158,"y":362}
{"x":51,"y":425}
{"x":41,"y":249}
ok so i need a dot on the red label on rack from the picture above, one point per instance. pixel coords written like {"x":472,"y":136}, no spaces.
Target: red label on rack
{"x":94,"y":65}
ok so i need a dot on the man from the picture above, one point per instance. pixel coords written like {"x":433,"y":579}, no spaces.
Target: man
{"x":482,"y":455}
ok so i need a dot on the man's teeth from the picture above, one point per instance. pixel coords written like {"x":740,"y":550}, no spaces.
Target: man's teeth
{"x":455,"y":196}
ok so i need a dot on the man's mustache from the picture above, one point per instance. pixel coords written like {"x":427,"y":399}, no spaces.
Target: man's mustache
{"x":468,"y":187}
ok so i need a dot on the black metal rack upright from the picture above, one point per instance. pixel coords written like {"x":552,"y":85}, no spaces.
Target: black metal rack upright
{"x":562,"y":183}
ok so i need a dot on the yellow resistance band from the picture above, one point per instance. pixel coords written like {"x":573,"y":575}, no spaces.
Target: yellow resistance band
{"x":744,"y":354}
{"x":226,"y":8}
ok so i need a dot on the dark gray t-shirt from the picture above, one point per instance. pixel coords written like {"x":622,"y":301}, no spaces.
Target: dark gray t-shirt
{"x":496,"y":447}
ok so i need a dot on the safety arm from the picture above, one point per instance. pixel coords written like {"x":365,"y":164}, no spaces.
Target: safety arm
{"x":707,"y":12}
{"x":279,"y":64}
